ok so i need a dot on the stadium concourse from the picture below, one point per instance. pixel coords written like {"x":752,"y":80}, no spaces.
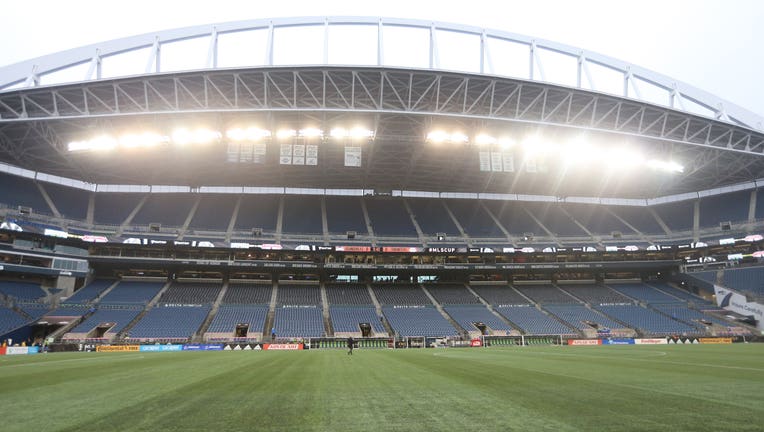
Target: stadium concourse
{"x":403,"y":203}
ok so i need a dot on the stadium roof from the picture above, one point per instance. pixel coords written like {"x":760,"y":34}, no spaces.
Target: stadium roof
{"x":716,"y":142}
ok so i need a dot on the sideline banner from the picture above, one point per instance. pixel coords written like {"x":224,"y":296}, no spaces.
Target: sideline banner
{"x":117,"y":348}
{"x":282,"y":346}
{"x":197,"y":347}
{"x":584,"y":342}
{"x":21,"y":350}
{"x":730,"y":300}
{"x":2,"y":350}
{"x":715,"y":340}
{"x":656,"y":341}
{"x":160,"y":348}
{"x":618,"y":341}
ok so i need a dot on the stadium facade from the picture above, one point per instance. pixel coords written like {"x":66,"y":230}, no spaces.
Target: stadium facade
{"x":443,"y":198}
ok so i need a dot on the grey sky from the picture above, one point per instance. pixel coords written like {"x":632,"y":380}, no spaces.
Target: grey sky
{"x":713,"y":45}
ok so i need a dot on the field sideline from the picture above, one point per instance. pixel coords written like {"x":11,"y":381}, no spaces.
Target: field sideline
{"x":616,"y":388}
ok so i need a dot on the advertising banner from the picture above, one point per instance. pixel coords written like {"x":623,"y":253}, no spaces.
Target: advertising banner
{"x":618,"y":341}
{"x":160,"y":348}
{"x":197,"y":347}
{"x":2,"y":350}
{"x":715,"y":340}
{"x":282,"y":347}
{"x":584,"y":342}
{"x":476,"y":343}
{"x":657,"y":341}
{"x":735,"y":302}
{"x":118,"y":348}
{"x":16,"y":350}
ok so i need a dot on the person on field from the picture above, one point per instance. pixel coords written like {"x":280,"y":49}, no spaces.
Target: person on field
{"x":351,"y":342}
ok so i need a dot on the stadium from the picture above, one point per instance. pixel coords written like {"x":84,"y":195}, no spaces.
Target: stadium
{"x":477,"y":221}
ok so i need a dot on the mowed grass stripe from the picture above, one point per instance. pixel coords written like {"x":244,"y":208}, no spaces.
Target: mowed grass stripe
{"x":528,"y":388}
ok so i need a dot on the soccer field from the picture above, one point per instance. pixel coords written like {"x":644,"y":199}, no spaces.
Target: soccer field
{"x":616,"y":388}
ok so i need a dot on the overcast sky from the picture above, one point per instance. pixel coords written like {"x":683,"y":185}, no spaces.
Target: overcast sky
{"x":715,"y":45}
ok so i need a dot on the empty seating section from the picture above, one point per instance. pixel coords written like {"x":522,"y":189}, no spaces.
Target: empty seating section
{"x":21,"y":191}
{"x":170,"y":322}
{"x":432,"y":217}
{"x":578,"y":316}
{"x":452,"y":294}
{"x":555,"y":220}
{"x":677,"y":216}
{"x":70,"y":202}
{"x":34,"y":310}
{"x":596,"y":220}
{"x":389,"y":217}
{"x":402,"y":294}
{"x":258,"y":211}
{"x":298,"y":322}
{"x":90,"y":291}
{"x":514,"y":218}
{"x":596,"y":294}
{"x":745,"y":279}
{"x":10,"y":320}
{"x":708,"y":276}
{"x":248,"y":293}
{"x":346,"y":294}
{"x":646,"y":320}
{"x":418,"y":321}
{"x":346,"y":319}
{"x":498,"y":295}
{"x":466,"y":316}
{"x":214,"y":212}
{"x":114,"y":208}
{"x":345,"y":214}
{"x":546,"y":294}
{"x":473,"y":218}
{"x":169,"y":209}
{"x":638,"y":217}
{"x":188,"y":293}
{"x":68,"y":311}
{"x":120,"y":317}
{"x":298,"y":295}
{"x":21,"y":290}
{"x":302,"y":214}
{"x":690,"y":316}
{"x":533,"y":321}
{"x":132,"y":292}
{"x":731,"y":207}
{"x":229,"y":316}
{"x":643,"y":293}
{"x":682,"y":294}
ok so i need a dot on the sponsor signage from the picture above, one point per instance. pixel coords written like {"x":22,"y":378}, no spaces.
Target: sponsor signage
{"x":731,"y":300}
{"x":655,"y":341}
{"x":289,"y":347}
{"x":584,"y":342}
{"x":160,"y":348}
{"x":715,"y":340}
{"x":19,"y":350}
{"x":196,"y":347}
{"x":476,"y":343}
{"x":618,"y":341}
{"x":118,"y":348}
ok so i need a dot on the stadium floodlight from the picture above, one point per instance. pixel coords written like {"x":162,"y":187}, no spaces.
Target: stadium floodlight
{"x":249,"y":134}
{"x":506,"y":143}
{"x":311,"y":133}
{"x":355,"y":133}
{"x":437,"y":136}
{"x":199,"y":136}
{"x":534,"y":144}
{"x":484,"y":140}
{"x":286,"y":133}
{"x":668,"y":166}
{"x":459,"y":138}
{"x":146,"y":139}
{"x":339,"y":133}
{"x":579,"y":151}
{"x":103,"y":142}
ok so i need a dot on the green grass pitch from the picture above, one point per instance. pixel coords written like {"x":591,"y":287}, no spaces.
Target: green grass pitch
{"x":616,"y":388}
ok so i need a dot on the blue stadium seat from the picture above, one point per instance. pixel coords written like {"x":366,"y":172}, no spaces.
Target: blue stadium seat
{"x":346,"y":319}
{"x":166,"y":322}
{"x":298,"y":322}
{"x":418,"y":321}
